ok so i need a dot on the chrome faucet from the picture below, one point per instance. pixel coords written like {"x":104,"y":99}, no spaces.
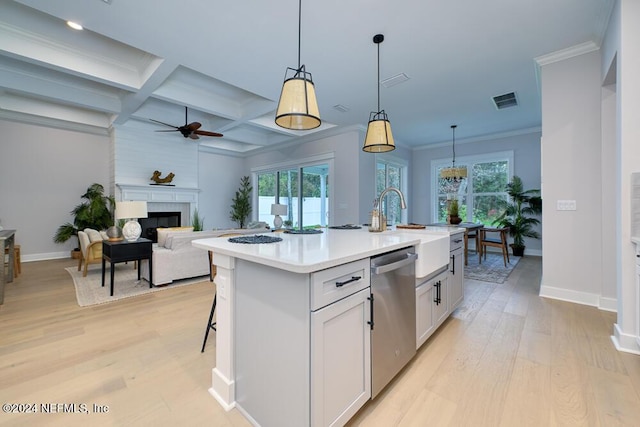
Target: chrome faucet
{"x":378,"y":221}
{"x":403,"y":205}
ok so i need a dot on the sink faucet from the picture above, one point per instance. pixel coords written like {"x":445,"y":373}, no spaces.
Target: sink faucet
{"x":403,"y":205}
{"x":378,"y":221}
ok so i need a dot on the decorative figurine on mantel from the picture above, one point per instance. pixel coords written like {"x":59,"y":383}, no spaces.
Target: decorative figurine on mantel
{"x":162,"y":181}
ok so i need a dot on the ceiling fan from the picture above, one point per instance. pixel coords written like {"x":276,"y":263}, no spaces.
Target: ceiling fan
{"x":190,"y":130}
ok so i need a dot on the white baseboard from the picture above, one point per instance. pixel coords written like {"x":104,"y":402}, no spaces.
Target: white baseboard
{"x":625,"y":342}
{"x":608,"y":304}
{"x":44,"y":256}
{"x":578,"y":297}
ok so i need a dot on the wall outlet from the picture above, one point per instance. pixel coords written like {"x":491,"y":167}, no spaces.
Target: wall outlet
{"x":566,"y":205}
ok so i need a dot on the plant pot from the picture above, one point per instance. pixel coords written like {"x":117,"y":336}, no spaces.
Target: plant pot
{"x":455,"y":220}
{"x":517,"y":250}
{"x":75,"y":253}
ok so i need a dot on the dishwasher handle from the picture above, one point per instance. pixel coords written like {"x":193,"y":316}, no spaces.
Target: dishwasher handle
{"x":380,"y":269}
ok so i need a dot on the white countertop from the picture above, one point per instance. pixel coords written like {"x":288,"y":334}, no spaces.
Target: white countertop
{"x":306,"y":253}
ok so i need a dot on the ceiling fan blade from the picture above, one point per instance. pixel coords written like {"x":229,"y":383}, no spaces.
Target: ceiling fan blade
{"x":194,"y":136}
{"x":166,"y":124}
{"x":193,"y":126}
{"x":207,"y":133}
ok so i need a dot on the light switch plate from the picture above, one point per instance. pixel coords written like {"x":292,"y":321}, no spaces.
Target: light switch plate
{"x":566,"y":205}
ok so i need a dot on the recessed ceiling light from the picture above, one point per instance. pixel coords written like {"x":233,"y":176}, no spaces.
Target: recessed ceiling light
{"x":74,"y":25}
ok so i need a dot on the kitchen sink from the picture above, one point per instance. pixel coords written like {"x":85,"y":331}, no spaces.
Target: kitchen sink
{"x":433,"y":250}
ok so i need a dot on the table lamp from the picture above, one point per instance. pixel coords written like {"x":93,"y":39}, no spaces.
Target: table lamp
{"x":131,"y":210}
{"x":277,"y":210}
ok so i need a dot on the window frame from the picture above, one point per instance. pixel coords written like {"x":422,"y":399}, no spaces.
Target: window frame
{"x":467,"y":161}
{"x":403,"y":165}
{"x":299,"y":165}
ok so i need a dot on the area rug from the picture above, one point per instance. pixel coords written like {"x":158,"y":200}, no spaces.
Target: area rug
{"x":491,"y":270}
{"x":89,"y":290}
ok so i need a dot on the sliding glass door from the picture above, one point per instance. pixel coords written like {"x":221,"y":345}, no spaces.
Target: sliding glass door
{"x":305,"y":191}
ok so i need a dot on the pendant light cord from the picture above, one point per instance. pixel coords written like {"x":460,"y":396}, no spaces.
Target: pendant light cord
{"x":299,"y":29}
{"x":453,"y":128}
{"x":378,"y":81}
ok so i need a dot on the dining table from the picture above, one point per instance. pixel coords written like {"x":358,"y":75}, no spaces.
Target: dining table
{"x":469,"y":229}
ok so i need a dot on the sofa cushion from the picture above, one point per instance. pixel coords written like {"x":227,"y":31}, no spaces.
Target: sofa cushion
{"x":163,"y":233}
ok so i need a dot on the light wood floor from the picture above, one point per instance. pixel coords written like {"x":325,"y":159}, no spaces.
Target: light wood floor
{"x":505,"y":358}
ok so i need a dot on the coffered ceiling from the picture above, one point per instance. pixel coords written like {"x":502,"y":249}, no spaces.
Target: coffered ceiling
{"x":226,"y":59}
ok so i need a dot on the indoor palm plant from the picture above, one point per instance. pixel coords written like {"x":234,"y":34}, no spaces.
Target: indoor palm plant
{"x":241,"y":203}
{"x":516,"y":215}
{"x":96,"y":212}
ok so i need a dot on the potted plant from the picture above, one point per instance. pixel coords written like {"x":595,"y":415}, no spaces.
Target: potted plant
{"x":453,"y":211}
{"x":96,"y":212}
{"x":197,"y":221}
{"x":241,"y":203}
{"x":516,"y":215}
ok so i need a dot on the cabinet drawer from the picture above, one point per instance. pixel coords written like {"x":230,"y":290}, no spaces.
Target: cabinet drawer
{"x":335,"y":283}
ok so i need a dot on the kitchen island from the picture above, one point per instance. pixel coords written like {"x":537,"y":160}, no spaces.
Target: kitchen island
{"x":292,"y":347}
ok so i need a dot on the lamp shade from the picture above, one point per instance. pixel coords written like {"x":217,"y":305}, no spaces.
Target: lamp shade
{"x":379,"y":138}
{"x":131,"y":209}
{"x":298,"y":106}
{"x":277,"y":209}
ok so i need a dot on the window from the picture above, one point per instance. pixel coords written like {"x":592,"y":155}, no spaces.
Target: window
{"x":478,"y":194}
{"x":391,"y":173}
{"x":304,"y":189}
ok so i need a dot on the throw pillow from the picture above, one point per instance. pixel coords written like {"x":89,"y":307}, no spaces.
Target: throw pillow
{"x":94,"y":235}
{"x":163,"y":233}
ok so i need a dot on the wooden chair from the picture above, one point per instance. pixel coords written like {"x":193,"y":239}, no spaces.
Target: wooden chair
{"x":495,"y":237}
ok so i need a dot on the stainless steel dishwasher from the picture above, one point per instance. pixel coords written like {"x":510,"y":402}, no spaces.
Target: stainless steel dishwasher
{"x":393,"y":315}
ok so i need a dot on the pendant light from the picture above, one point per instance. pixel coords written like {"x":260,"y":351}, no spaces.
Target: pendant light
{"x":453,"y":174}
{"x":298,"y":107}
{"x":379,"y":138}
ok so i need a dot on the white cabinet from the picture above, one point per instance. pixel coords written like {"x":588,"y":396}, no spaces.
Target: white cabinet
{"x":340,"y":359}
{"x":456,"y":278}
{"x":303,"y":344}
{"x":424,"y":312}
{"x":432,"y":306}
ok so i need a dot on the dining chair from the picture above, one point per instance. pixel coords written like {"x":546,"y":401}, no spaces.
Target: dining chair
{"x":494,"y":237}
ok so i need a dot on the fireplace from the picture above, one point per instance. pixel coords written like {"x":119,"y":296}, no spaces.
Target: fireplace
{"x":158,"y":220}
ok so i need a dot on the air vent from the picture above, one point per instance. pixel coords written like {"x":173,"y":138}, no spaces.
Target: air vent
{"x":395,"y":80}
{"x":341,"y":108}
{"x":505,"y":101}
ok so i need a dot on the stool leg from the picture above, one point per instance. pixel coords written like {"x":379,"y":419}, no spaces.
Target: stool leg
{"x":211,"y":324}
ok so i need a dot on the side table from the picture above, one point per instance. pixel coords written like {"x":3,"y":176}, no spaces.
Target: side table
{"x":127,"y":251}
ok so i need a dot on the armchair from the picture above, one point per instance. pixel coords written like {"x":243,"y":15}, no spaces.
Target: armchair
{"x":90,"y":248}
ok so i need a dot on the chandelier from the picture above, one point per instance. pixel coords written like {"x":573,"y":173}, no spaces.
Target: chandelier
{"x":454,"y":175}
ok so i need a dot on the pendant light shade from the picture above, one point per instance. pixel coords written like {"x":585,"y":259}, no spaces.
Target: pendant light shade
{"x":379,"y":138}
{"x":298,"y":106}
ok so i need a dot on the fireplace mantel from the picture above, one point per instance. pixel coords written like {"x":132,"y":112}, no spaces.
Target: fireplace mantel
{"x":159,"y":193}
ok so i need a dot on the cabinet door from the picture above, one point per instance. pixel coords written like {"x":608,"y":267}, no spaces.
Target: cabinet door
{"x":440,"y":298}
{"x":340,"y":359}
{"x":456,"y":279}
{"x":424,"y":312}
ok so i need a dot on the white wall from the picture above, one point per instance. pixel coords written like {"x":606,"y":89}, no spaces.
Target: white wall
{"x":219,"y":178}
{"x":43,"y":173}
{"x":623,"y":28}
{"x":571,"y":147}
{"x":526,"y":154}
{"x":345,"y":148}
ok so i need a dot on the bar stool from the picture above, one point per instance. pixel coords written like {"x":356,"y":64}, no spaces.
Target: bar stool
{"x":210,"y":324}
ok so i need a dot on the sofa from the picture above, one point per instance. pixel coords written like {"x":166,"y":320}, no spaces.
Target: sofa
{"x":175,"y":258}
